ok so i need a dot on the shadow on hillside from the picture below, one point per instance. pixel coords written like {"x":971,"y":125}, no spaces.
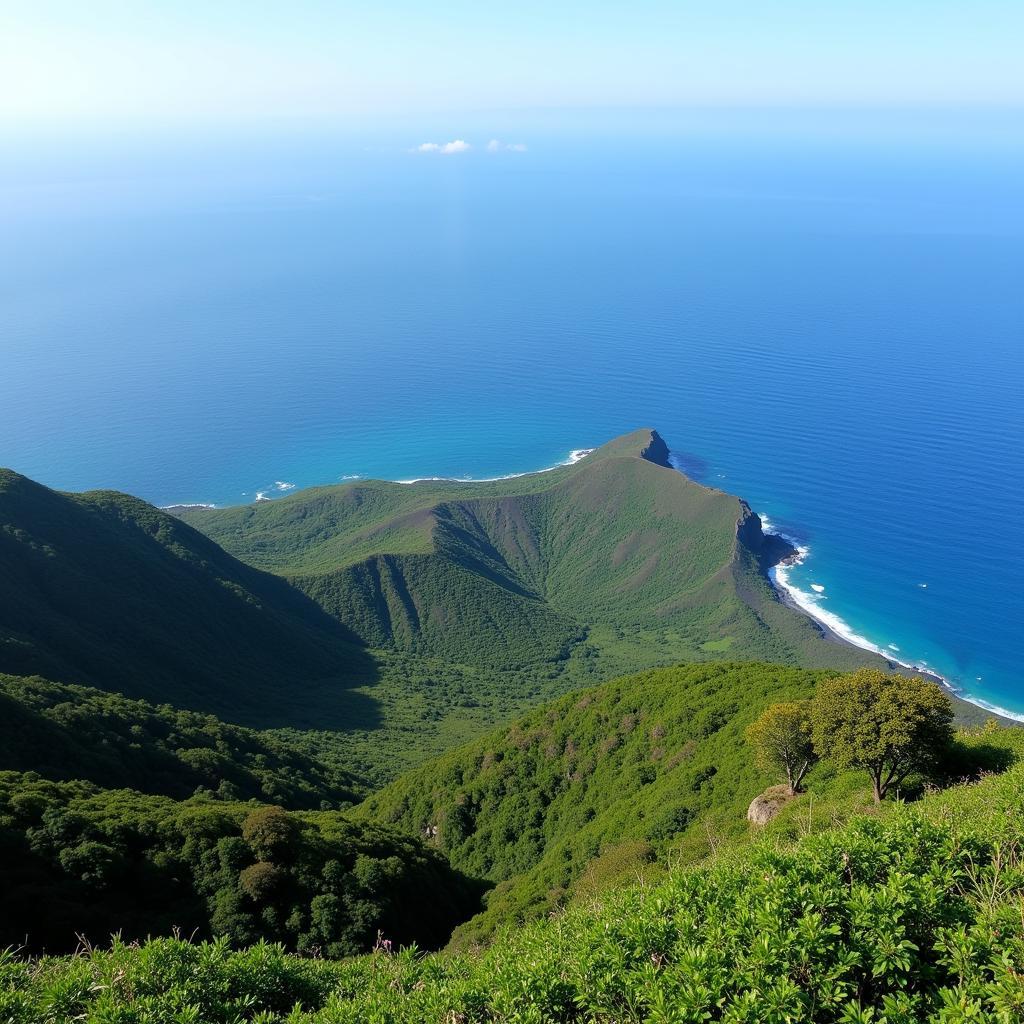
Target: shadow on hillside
{"x":968,"y":762}
{"x":334,"y":663}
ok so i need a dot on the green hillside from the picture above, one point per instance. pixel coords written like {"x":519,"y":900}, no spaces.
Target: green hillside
{"x":587,"y":571}
{"x":913,"y":918}
{"x":595,"y":787}
{"x":63,"y":732}
{"x":381,"y":623}
{"x":105,"y":590}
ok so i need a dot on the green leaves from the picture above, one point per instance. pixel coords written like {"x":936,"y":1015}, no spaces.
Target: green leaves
{"x":889,"y":725}
{"x":781,"y":738}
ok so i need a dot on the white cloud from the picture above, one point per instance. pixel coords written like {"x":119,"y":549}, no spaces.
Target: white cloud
{"x":517,"y":147}
{"x":493,"y":146}
{"x":455,"y":146}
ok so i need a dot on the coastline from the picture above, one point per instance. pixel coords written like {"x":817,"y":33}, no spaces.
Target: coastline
{"x":573,"y":457}
{"x":831,"y":625}
{"x":835,"y":629}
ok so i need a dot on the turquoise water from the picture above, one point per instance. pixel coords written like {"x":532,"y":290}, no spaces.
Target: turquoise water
{"x":827,"y":322}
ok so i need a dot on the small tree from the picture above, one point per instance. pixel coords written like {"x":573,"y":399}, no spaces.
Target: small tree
{"x":887,"y":725}
{"x":781,"y":739}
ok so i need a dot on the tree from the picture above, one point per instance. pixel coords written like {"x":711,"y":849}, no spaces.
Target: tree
{"x":781,"y":739}
{"x":271,"y":832}
{"x":885,"y":724}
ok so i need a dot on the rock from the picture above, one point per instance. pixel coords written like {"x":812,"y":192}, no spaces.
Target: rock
{"x":764,"y":807}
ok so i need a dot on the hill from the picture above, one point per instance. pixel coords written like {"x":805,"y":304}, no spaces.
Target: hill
{"x":587,"y":571}
{"x":482,"y":599}
{"x":914,"y":917}
{"x":63,"y":732}
{"x":105,"y":590}
{"x":593,"y":788}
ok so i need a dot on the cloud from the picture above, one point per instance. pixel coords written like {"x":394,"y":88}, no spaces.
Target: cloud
{"x":462,"y":146}
{"x":455,"y":146}
{"x":494,"y":146}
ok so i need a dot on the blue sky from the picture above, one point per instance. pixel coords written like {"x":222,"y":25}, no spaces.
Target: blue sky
{"x":210,"y":60}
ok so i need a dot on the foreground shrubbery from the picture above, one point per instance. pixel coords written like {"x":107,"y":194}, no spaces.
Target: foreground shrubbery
{"x":911,"y":918}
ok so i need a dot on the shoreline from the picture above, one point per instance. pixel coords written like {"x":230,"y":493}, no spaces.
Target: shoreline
{"x":573,"y":457}
{"x":282,"y":488}
{"x":835,"y":629}
{"x":831,"y":625}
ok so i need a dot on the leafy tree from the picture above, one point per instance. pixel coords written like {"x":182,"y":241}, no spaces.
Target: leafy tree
{"x":888,"y":725}
{"x":271,"y":832}
{"x":781,"y":738}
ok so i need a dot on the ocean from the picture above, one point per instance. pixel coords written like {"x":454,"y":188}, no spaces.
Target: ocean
{"x":822,"y":315}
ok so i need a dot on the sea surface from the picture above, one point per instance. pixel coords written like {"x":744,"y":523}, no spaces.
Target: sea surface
{"x":823,"y":315}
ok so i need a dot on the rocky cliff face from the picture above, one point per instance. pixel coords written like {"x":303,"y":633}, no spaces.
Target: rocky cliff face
{"x":656,"y":451}
{"x":768,"y":548}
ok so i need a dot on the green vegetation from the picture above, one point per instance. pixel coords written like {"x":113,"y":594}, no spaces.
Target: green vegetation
{"x":375,"y":626}
{"x":105,"y":590}
{"x":78,"y":860}
{"x":65,"y":732}
{"x":616,"y":782}
{"x":888,"y":725}
{"x":650,"y":767}
{"x":910,"y":919}
{"x":379,"y":624}
{"x":781,"y":738}
{"x":613,"y":564}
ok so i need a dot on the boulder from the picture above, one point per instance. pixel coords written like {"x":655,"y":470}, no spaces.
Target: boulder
{"x":764,"y":807}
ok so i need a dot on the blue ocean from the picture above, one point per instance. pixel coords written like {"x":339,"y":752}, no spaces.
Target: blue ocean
{"x":822,"y":315}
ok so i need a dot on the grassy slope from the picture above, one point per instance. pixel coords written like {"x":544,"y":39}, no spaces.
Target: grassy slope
{"x":618,"y":559}
{"x":63,"y":732}
{"x":103,"y":589}
{"x":588,"y":790}
{"x":912,"y":918}
{"x":483,"y":599}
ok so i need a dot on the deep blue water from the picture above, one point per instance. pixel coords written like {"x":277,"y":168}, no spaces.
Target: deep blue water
{"x":830,"y":324}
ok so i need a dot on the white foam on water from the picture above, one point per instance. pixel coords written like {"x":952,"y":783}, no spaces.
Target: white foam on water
{"x":810,"y":604}
{"x":351,"y":476}
{"x":573,"y":457}
{"x":189,"y":504}
{"x":281,"y":485}
{"x":817,"y":588}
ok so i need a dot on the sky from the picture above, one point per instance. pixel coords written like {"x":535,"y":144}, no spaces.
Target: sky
{"x":113,"y":61}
